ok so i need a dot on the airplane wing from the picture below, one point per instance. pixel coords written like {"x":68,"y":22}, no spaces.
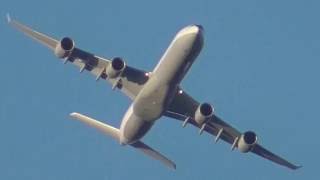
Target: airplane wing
{"x":183,"y":107}
{"x":130,"y":82}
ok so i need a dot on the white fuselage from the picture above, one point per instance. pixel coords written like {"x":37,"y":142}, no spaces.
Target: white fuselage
{"x":158,"y":92}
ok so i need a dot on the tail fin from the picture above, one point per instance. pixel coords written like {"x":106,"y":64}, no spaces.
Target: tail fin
{"x":115,"y":133}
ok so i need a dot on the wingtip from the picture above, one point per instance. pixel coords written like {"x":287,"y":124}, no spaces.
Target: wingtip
{"x":174,"y":167}
{"x":73,"y":114}
{"x":297,"y":167}
{"x":8,"y":18}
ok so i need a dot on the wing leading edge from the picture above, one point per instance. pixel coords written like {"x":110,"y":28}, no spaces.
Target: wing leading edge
{"x":130,"y":82}
{"x":184,"y":106}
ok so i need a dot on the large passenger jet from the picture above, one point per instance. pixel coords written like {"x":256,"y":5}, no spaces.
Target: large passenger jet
{"x":154,"y":94}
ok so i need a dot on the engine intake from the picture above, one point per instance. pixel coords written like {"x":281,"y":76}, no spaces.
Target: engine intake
{"x":203,"y":113}
{"x":247,"y":141}
{"x":64,"y":48}
{"x":116,"y":67}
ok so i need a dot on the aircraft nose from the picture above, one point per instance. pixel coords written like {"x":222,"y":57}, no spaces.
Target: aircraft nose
{"x":199,"y":31}
{"x":191,"y":29}
{"x":199,"y":27}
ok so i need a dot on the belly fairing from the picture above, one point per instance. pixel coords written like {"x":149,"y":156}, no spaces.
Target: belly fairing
{"x":153,"y":101}
{"x":135,"y":130}
{"x":133,"y":127}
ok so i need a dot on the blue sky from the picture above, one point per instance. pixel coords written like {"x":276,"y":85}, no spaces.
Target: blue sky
{"x":259,"y":68}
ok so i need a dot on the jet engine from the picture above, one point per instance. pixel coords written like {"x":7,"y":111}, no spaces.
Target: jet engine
{"x":203,"y":113}
{"x":116,"y":67}
{"x":247,"y":141}
{"x":64,"y":48}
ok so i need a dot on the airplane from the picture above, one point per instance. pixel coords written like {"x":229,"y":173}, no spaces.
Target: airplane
{"x":154,"y":94}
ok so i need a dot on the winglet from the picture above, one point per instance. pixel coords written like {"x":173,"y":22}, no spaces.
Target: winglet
{"x":297,"y":167}
{"x":8,"y":18}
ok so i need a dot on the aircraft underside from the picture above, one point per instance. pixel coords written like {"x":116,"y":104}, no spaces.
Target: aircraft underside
{"x":153,"y":94}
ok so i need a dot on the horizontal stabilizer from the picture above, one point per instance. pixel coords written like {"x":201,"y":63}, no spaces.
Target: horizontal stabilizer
{"x":115,"y":133}
{"x":154,"y":154}
{"x":105,"y":128}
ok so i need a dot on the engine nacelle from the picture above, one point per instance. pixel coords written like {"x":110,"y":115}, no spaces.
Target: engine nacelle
{"x":64,"y":48}
{"x":247,"y":141}
{"x":203,"y":113}
{"x":116,"y":67}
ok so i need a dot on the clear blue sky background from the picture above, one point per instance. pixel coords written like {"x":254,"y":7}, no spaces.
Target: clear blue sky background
{"x":259,"y":67}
